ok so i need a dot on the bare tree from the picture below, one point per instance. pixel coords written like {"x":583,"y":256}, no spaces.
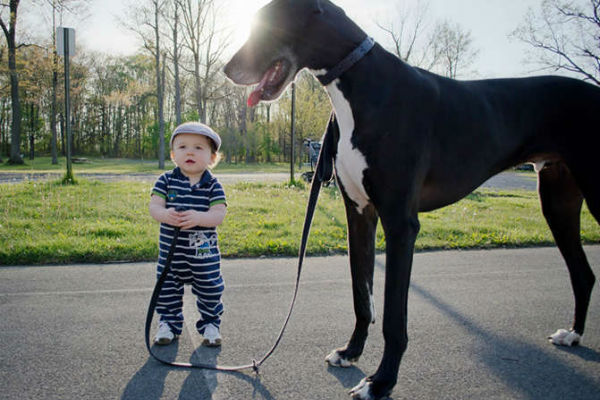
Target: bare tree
{"x":194,"y":14}
{"x":215,"y":45}
{"x":445,"y":47}
{"x":10,"y":33}
{"x":146,"y":24}
{"x":565,"y":36}
{"x":172,"y":16}
{"x":407,"y":32}
{"x":453,"y":49}
{"x":206,"y":45}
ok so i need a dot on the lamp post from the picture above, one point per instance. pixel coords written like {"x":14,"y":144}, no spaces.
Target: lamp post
{"x":293,"y":130}
{"x":65,"y":46}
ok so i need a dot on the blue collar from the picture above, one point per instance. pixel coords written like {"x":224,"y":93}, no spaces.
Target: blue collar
{"x":206,"y":178}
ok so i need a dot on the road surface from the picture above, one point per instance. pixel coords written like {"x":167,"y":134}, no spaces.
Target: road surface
{"x":478,"y":322}
{"x":505,"y":180}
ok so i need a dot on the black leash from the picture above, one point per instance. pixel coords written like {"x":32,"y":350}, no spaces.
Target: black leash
{"x":324,"y":173}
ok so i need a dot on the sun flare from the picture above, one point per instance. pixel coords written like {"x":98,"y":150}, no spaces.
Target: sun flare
{"x":240,"y":18}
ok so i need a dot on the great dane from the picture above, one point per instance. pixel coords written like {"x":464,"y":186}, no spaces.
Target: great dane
{"x":412,"y":141}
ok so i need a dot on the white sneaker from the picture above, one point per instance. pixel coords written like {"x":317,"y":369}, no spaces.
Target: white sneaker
{"x":164,"y":335}
{"x":212,"y":336}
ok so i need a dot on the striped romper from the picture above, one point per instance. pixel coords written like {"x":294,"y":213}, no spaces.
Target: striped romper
{"x":196,"y":260}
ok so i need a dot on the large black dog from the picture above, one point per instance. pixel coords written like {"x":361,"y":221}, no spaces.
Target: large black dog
{"x":412,"y":141}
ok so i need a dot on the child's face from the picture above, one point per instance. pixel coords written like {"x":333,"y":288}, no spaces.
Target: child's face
{"x":192,"y":153}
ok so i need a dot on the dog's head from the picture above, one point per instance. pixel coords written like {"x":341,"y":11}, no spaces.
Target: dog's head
{"x":287,"y":36}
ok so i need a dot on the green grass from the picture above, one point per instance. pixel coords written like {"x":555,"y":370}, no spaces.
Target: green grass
{"x":125,"y":166}
{"x":46,"y":222}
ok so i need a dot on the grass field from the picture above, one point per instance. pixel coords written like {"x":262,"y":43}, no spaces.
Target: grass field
{"x":46,"y":222}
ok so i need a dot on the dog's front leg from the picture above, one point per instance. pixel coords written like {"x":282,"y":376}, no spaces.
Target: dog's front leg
{"x":361,"y":240}
{"x":400,"y":236}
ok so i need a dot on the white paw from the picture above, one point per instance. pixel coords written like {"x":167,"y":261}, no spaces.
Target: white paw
{"x":362,"y":391}
{"x":563,"y":337}
{"x":335,"y":360}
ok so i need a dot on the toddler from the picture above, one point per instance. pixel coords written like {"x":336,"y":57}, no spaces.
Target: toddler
{"x":200,"y":199}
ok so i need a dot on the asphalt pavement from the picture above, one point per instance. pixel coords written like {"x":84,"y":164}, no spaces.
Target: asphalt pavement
{"x":478,"y":322}
{"x":504,"y":180}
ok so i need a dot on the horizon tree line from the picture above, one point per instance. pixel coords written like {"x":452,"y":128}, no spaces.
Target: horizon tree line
{"x":124,"y":106}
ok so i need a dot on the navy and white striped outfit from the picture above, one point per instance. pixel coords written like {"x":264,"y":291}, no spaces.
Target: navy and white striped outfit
{"x":197,"y":259}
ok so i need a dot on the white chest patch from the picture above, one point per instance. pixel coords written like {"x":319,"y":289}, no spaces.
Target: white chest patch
{"x":350,"y":163}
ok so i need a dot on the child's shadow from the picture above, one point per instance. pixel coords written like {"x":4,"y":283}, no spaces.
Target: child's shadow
{"x":148,"y":383}
{"x":201,"y":383}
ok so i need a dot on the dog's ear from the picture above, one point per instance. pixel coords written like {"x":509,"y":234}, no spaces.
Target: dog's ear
{"x":318,"y":9}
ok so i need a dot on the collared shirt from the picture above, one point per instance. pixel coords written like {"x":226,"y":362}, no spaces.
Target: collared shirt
{"x":175,"y":188}
{"x":198,"y":242}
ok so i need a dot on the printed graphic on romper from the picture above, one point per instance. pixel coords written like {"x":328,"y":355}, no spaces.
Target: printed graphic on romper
{"x":203,"y":243}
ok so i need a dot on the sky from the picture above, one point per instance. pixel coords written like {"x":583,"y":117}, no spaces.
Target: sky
{"x":489,"y":21}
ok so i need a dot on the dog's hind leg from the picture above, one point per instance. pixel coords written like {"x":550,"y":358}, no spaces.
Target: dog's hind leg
{"x":561,"y":201}
{"x":361,"y":240}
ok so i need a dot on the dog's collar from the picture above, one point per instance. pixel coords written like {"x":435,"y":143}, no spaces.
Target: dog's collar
{"x":347,"y":62}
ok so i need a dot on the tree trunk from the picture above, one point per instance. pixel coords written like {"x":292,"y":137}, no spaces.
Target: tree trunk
{"x":198,"y":88}
{"x":53,"y":140}
{"x":31,"y":131}
{"x":159,"y":91}
{"x":176,"y":65}
{"x":15,"y":136}
{"x":61,"y":120}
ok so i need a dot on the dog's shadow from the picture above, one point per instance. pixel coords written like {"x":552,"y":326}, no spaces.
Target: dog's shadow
{"x":518,"y":373}
{"x":585,"y":353}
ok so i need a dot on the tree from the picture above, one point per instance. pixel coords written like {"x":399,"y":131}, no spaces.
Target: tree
{"x":175,"y":57}
{"x":453,"y":49}
{"x":10,"y":33}
{"x":445,"y":48}
{"x":148,"y":18}
{"x":407,"y":32}
{"x":565,"y":36}
{"x":35,"y":66}
{"x":50,"y":11}
{"x":196,"y":14}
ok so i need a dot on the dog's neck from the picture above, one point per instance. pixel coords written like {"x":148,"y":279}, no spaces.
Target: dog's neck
{"x":351,"y":59}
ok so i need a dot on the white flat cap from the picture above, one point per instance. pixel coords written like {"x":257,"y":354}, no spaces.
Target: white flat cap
{"x":198,"y":129}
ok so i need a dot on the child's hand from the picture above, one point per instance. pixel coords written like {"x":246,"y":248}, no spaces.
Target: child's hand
{"x":172,"y":217}
{"x":189,"y":219}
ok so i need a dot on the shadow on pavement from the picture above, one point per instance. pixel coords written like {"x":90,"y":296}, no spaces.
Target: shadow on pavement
{"x":348,"y":377}
{"x":529,"y":369}
{"x":149,"y":382}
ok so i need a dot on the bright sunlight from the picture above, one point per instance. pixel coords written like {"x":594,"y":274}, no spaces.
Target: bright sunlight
{"x":240,"y":18}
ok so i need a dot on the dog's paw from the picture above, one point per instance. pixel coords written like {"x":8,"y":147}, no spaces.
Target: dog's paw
{"x":563,"y":337}
{"x":335,"y":359}
{"x":362,"y":391}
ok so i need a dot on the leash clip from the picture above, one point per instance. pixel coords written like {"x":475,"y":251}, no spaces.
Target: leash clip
{"x":255,"y":367}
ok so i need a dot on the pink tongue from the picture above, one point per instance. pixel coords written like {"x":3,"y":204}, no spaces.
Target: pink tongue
{"x":254,"y":97}
{"x":256,"y":94}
